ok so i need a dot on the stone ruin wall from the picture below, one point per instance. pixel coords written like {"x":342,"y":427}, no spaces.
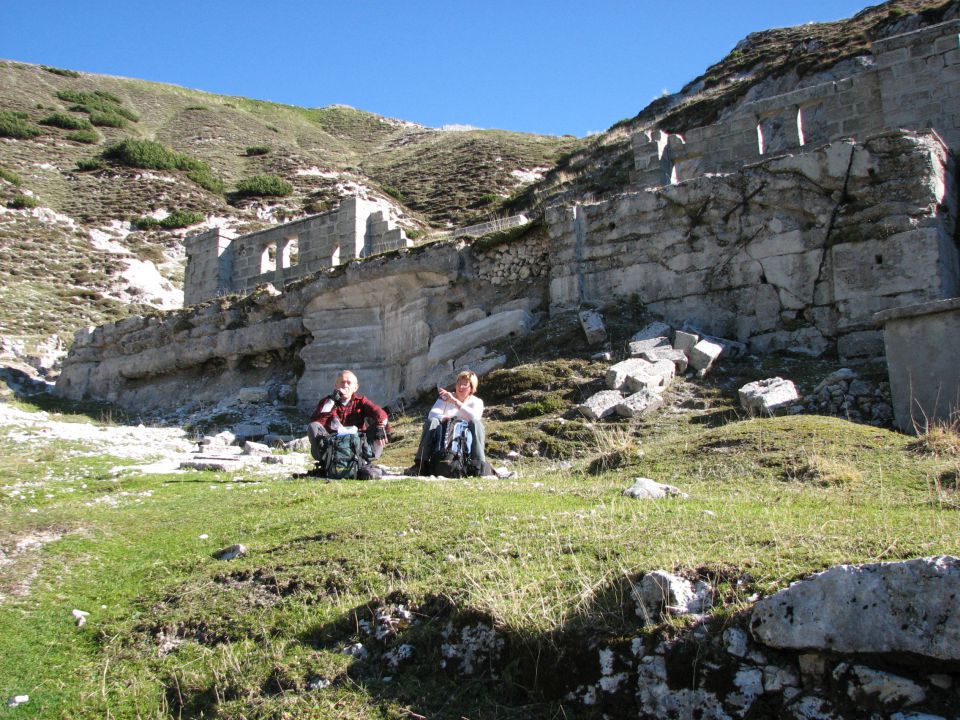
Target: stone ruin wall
{"x":914,"y":83}
{"x":796,"y":251}
{"x":221,"y":264}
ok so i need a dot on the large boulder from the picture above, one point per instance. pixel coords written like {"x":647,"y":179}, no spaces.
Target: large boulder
{"x":897,"y":607}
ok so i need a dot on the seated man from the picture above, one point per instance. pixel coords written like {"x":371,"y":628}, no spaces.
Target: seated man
{"x":460,"y":405}
{"x":345,"y":412}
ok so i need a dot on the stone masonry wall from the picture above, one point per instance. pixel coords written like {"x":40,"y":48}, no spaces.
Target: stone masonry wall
{"x":220,"y":264}
{"x":914,"y":83}
{"x":795,"y":252}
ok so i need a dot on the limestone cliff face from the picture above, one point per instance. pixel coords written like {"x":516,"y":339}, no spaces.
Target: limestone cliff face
{"x":794,"y":252}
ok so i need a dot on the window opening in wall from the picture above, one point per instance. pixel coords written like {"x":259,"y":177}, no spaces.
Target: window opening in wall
{"x":290,"y":253}
{"x":268,"y":258}
{"x":878,"y":259}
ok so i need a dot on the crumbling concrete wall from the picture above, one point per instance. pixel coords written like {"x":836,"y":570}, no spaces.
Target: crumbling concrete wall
{"x":913,"y":83}
{"x":221,"y":263}
{"x":796,"y":252}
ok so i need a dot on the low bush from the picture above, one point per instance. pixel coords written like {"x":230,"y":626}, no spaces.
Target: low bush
{"x":61,"y":71}
{"x":254,"y":150}
{"x":148,"y":154}
{"x":90,"y":164}
{"x":10,"y":176}
{"x":67,"y":122}
{"x":107,"y":119}
{"x":20,"y":202}
{"x":174,"y":221}
{"x":88,"y":137}
{"x":264,"y":186}
{"x":100,"y":103}
{"x":17,"y":125}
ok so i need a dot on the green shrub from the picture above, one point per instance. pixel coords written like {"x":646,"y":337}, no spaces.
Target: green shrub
{"x":146,"y":223}
{"x":264,"y":186}
{"x":149,"y":154}
{"x":90,"y":164}
{"x":393,"y":192}
{"x":107,"y":119}
{"x":88,"y":137}
{"x":10,"y":176}
{"x":258,"y":150}
{"x":488,"y":199}
{"x":105,"y":105}
{"x":67,"y":122}
{"x":205,"y":178}
{"x":17,"y":125}
{"x":175,"y":220}
{"x":23,"y":201}
{"x":61,"y":71}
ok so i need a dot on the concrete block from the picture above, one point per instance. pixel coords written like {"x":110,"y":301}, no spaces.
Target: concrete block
{"x":600,"y":405}
{"x":639,"y":403}
{"x":703,"y":355}
{"x":638,"y":347}
{"x":653,"y":377}
{"x":677,"y":357}
{"x":766,"y":397}
{"x":617,"y":374}
{"x":685,"y":340}
{"x":592,"y":323}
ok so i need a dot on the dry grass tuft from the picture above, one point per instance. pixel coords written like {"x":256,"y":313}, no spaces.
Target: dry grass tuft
{"x":828,"y":472}
{"x":940,"y":439}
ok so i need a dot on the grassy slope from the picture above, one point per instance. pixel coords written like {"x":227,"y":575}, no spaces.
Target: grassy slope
{"x":541,"y":555}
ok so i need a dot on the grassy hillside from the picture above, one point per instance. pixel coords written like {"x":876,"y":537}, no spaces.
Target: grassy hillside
{"x":57,"y":190}
{"x":545,"y":557}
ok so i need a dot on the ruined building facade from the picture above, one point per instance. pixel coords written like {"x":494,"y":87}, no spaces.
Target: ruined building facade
{"x":787,"y":225}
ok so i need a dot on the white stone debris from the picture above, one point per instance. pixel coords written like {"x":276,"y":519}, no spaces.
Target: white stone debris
{"x":767,"y":397}
{"x":230,"y":553}
{"x":647,"y":489}
{"x":593,"y":327}
{"x":80,"y":616}
{"x":659,"y":593}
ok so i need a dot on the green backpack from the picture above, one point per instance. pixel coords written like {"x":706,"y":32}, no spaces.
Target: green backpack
{"x":342,"y":456}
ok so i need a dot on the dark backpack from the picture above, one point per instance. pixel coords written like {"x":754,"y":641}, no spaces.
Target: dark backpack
{"x":341,"y":456}
{"x":450,"y":456}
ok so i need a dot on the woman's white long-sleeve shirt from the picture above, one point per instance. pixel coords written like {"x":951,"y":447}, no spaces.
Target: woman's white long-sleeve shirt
{"x":472,"y":409}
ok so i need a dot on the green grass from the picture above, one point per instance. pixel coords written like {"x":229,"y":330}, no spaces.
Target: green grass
{"x":150,"y":154}
{"x":541,"y":556}
{"x":10,"y":176}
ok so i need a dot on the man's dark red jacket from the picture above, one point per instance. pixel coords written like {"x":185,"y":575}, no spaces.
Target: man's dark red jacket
{"x":358,"y":411}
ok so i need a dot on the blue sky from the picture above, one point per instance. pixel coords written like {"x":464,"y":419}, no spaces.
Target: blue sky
{"x":542,"y":66}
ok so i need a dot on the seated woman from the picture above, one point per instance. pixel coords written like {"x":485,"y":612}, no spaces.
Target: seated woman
{"x":463,"y":405}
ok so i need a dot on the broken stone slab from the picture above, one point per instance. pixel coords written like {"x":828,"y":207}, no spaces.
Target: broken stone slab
{"x":222,"y":438}
{"x":282,"y":459}
{"x":229,"y":553}
{"x":593,"y":327}
{"x":766,"y":397}
{"x":617,"y":374}
{"x":212,"y":464}
{"x":255,"y":448}
{"x":301,"y":444}
{"x":685,"y":341}
{"x":895,"y":607}
{"x":647,"y":489}
{"x":660,"y":593}
{"x":638,"y":404}
{"x":703,"y":355}
{"x":653,"y":377}
{"x":600,"y":405}
{"x":677,"y":357}
{"x":638,"y":347}
{"x":653,"y":330}
{"x":833,"y":378}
